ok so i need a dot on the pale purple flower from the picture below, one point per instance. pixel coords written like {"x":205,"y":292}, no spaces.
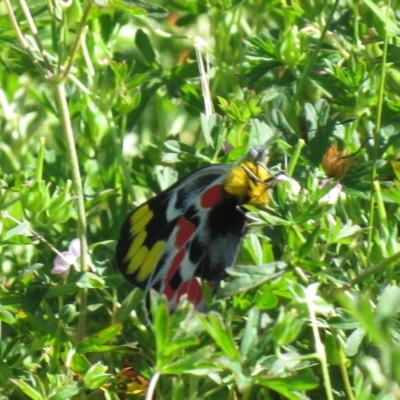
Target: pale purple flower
{"x":324,"y":182}
{"x":75,"y":248}
{"x":226,"y":147}
{"x":65,"y":259}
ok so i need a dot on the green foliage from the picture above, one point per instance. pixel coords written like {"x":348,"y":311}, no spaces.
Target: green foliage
{"x":104,"y":107}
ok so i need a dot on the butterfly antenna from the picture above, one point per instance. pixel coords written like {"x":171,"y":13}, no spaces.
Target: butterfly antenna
{"x":255,"y":178}
{"x":362,"y":145}
{"x":347,"y":121}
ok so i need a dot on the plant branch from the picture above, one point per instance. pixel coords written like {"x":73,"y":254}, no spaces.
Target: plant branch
{"x":381,"y":99}
{"x":34,"y":233}
{"x":152,"y":386}
{"x":22,"y":40}
{"x":319,"y":347}
{"x":77,"y":181}
{"x":77,"y":40}
{"x":312,"y":59}
{"x":34,"y":31}
{"x":376,"y":268}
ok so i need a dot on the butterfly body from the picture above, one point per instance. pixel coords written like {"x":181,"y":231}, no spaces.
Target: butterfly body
{"x":192,"y":229}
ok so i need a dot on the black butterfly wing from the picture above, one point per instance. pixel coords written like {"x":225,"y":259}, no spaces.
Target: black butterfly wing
{"x":191,"y":229}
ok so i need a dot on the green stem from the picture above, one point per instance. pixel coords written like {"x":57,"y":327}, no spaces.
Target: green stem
{"x":376,"y":268}
{"x":40,"y":160}
{"x":345,"y":375}
{"x":77,"y":182}
{"x":382,"y":81}
{"x":77,"y":39}
{"x":117,"y":139}
{"x":35,"y":34}
{"x":320,"y":349}
{"x":152,"y":386}
{"x":311,"y":62}
{"x":295,"y":157}
{"x":22,"y":40}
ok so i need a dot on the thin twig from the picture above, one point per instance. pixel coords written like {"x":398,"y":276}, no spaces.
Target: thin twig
{"x":311,"y":61}
{"x":319,"y":346}
{"x":152,"y":386}
{"x":34,"y":31}
{"x":208,"y":105}
{"x":76,"y":179}
{"x":379,"y":111}
{"x":127,"y":182}
{"x":77,"y":40}
{"x":345,"y":375}
{"x":22,"y":40}
{"x":376,"y":268}
{"x":34,"y":233}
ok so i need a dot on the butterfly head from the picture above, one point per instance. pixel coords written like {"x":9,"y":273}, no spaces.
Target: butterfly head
{"x":249,"y":179}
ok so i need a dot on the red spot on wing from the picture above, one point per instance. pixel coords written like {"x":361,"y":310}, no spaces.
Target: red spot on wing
{"x":211,"y":196}
{"x":192,"y":289}
{"x":169,"y":292}
{"x":175,"y":265}
{"x":185,"y":232}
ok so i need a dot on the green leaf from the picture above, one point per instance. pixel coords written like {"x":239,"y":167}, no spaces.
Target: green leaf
{"x":143,"y":44}
{"x":27,"y":389}
{"x":96,"y":376}
{"x":353,"y":342}
{"x":161,"y":321}
{"x":190,"y":153}
{"x":250,"y":338}
{"x":212,"y":129}
{"x":287,"y":327}
{"x":196,"y":363}
{"x":88,"y":280}
{"x":6,"y":315}
{"x":220,"y":333}
{"x":304,"y":380}
{"x":131,"y":302}
{"x":135,"y":7}
{"x":261,"y":134}
{"x":6,"y":373}
{"x":388,"y":23}
{"x":67,"y":391}
{"x":389,"y":303}
{"x":93,"y":344}
{"x":20,"y":229}
{"x":79,"y":363}
{"x":248,"y":277}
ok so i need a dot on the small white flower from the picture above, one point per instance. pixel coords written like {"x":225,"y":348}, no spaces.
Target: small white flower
{"x":332,"y":196}
{"x":290,"y":183}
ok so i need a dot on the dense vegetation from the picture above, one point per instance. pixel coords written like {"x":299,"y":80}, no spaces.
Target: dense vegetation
{"x":102,"y":107}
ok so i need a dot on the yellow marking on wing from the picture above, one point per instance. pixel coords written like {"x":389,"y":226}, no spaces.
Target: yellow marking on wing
{"x":138,"y":241}
{"x":151,"y":261}
{"x":137,"y":260}
{"x":140,"y":219}
{"x":239,"y":183}
{"x":139,"y":213}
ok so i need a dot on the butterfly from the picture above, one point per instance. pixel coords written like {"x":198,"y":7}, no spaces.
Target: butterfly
{"x":336,"y":163}
{"x":193,"y":229}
